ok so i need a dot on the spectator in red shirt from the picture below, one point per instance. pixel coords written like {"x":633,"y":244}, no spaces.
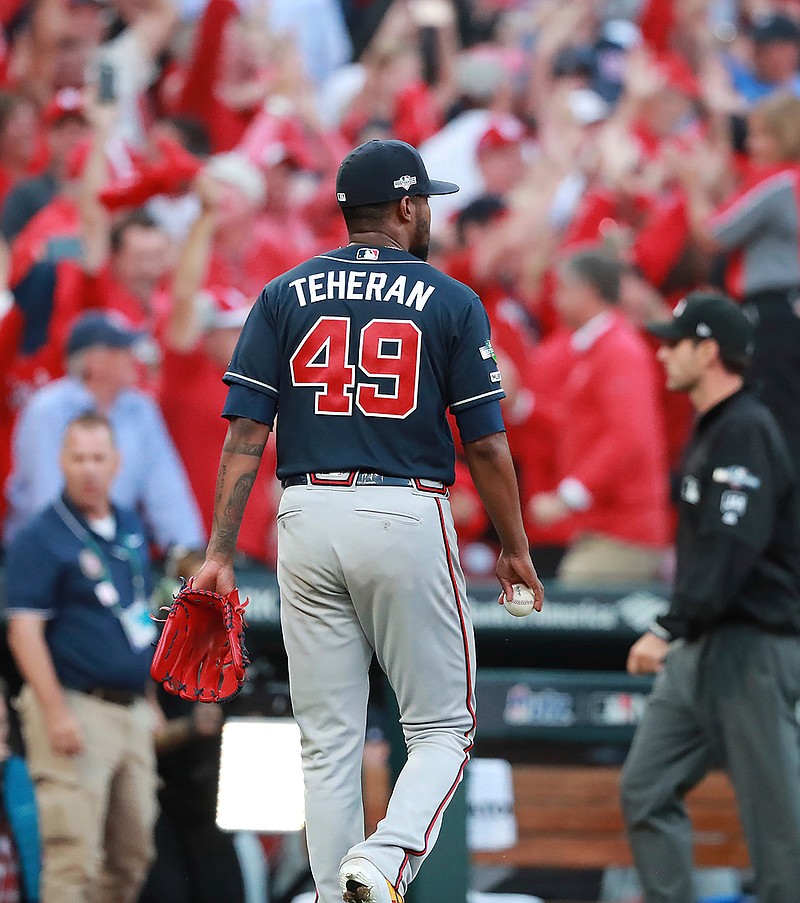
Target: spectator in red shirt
{"x":409,"y":74}
{"x":611,"y":460}
{"x":139,"y":260}
{"x":499,"y":155}
{"x":125,"y":260}
{"x":221,"y":84}
{"x":245,"y":254}
{"x":200,"y":335}
{"x":18,"y":140}
{"x":66,"y":128}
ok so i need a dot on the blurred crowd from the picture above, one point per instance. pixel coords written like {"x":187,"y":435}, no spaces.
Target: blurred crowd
{"x":161,"y":160}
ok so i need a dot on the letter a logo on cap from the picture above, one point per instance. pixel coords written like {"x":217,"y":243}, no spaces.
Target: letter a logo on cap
{"x":405,"y":182}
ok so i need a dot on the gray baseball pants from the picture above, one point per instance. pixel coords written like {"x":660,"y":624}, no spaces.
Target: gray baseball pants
{"x":727,"y":700}
{"x":363,"y":570}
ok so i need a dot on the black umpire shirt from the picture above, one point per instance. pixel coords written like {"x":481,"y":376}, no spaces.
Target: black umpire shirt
{"x":738,"y":544}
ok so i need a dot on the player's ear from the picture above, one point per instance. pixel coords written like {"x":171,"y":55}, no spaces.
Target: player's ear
{"x":407,"y":209}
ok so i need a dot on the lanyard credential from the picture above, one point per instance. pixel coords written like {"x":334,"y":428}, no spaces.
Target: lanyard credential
{"x":92,"y":557}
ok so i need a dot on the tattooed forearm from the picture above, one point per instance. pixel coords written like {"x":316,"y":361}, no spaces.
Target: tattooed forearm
{"x":221,"y":474}
{"x":234,"y":510}
{"x":245,"y":441}
{"x":254,"y":449}
{"x":229,"y":519}
{"x":246,"y":437}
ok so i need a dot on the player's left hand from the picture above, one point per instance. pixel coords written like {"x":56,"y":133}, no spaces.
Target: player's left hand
{"x":647,"y":655}
{"x":518,"y":568}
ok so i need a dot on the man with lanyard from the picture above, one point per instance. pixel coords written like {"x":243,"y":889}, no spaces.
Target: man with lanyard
{"x":79,"y":629}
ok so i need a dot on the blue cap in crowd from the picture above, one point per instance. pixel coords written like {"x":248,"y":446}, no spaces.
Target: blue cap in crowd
{"x":105,"y":328}
{"x":775,"y":28}
{"x":381,"y":171}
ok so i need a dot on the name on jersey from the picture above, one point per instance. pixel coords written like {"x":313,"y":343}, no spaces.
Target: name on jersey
{"x":356,"y":285}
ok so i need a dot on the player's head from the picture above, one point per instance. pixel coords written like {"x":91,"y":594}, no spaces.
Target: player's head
{"x":708,"y":335}
{"x":383,"y":186}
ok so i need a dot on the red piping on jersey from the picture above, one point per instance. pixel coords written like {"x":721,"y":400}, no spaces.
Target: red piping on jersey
{"x":470,"y":705}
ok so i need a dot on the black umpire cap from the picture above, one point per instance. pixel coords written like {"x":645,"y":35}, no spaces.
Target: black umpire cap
{"x":381,"y":171}
{"x":707,"y":315}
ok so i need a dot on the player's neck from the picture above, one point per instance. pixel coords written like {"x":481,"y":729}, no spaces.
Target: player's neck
{"x":379,"y":239}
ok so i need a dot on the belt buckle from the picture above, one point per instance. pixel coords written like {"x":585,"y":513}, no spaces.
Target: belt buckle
{"x":369,"y":479}
{"x":334,"y":479}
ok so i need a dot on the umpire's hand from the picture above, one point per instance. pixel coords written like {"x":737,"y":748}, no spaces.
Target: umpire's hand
{"x":647,"y":655}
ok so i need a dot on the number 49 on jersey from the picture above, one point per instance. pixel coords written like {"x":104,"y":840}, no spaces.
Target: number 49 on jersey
{"x":388,"y":349}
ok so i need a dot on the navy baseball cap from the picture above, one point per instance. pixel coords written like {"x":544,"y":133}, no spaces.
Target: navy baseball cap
{"x":382,"y":171}
{"x":105,"y":328}
{"x":706,"y":315}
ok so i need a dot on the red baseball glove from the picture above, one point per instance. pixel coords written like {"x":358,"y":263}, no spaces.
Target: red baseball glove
{"x":201,"y":654}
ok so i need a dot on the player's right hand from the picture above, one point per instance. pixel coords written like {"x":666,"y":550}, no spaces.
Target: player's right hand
{"x":65,"y":734}
{"x":519,"y":568}
{"x":216,"y":577}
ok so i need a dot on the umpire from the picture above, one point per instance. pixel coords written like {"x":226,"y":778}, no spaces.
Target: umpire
{"x":727,"y":652}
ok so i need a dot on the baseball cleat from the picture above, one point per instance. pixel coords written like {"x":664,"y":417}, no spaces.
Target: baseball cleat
{"x":361,"y":882}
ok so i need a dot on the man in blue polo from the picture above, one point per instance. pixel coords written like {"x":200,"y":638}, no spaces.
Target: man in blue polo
{"x":78,"y":580}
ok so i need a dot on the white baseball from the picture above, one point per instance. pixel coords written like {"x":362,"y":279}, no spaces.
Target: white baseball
{"x":522,"y":601}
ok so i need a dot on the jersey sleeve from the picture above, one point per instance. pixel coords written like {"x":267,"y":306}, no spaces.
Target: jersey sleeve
{"x":253,"y":374}
{"x":474,"y":387}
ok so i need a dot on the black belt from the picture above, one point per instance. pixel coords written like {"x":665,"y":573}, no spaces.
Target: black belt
{"x":118,"y":697}
{"x":346,"y":479}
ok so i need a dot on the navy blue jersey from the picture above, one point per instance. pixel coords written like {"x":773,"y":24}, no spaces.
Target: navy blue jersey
{"x":361,"y":351}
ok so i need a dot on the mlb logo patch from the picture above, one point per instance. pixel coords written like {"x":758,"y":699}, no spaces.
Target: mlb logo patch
{"x":367,"y":254}
{"x":405,"y":182}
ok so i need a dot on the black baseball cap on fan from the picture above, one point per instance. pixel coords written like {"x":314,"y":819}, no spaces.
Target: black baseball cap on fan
{"x":381,"y":171}
{"x":707,"y":315}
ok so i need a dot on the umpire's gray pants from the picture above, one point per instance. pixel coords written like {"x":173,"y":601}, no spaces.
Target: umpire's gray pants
{"x":728,"y":699}
{"x":362,"y":570}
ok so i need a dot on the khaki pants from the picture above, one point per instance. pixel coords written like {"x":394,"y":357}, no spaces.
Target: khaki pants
{"x":96,"y":810}
{"x":593,"y":559}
